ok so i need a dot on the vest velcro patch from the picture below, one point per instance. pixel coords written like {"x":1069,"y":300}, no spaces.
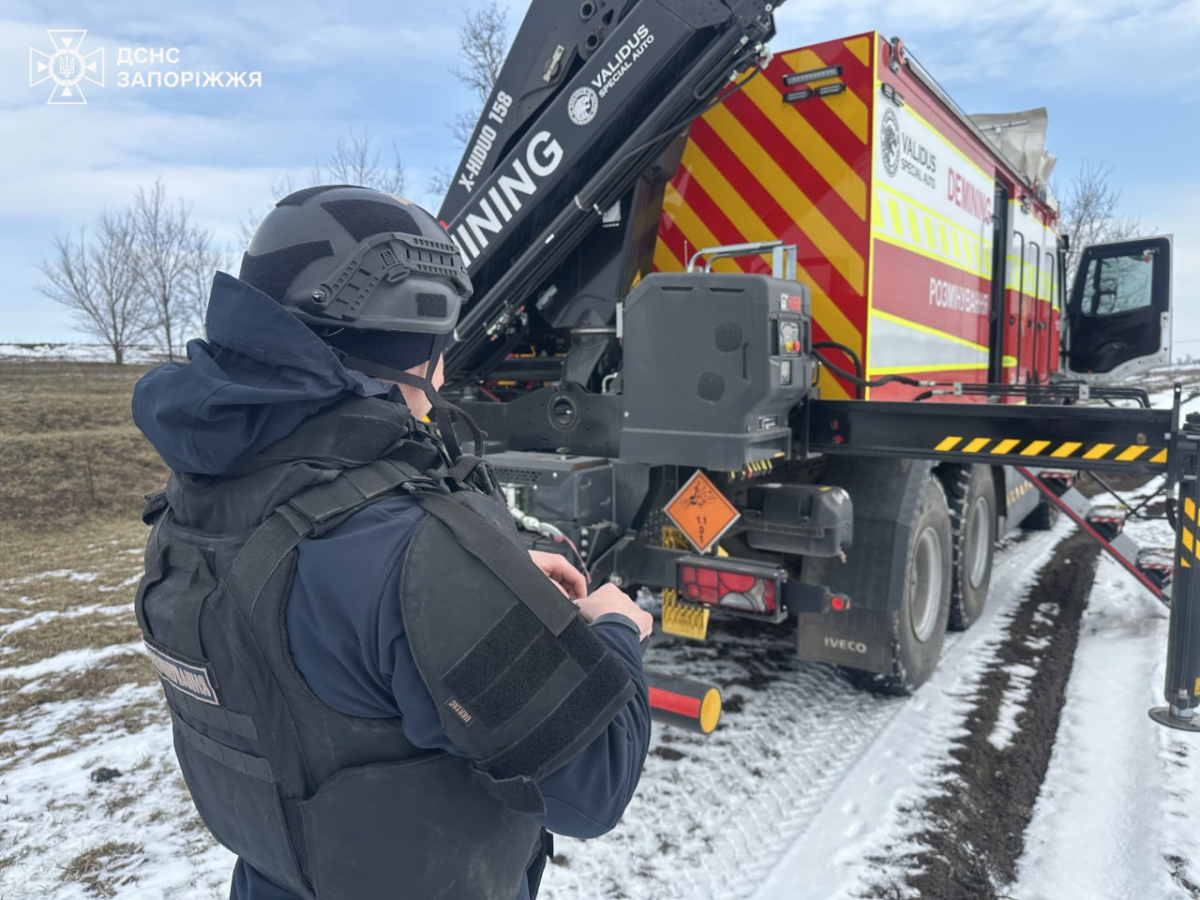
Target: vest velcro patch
{"x":188,"y":678}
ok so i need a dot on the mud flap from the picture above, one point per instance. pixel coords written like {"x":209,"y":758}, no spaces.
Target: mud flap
{"x":887,"y":494}
{"x":856,"y":638}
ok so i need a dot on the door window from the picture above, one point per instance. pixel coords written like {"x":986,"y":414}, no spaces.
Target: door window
{"x":1118,"y":284}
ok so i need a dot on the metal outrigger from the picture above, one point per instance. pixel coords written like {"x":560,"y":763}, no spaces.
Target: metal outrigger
{"x":1029,"y":437}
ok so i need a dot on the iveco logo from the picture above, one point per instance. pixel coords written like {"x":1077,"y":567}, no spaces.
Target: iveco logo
{"x":583,"y":105}
{"x":843,"y":644}
{"x":889,"y":142}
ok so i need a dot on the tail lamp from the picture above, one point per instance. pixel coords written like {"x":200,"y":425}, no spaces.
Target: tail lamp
{"x":737,"y":587}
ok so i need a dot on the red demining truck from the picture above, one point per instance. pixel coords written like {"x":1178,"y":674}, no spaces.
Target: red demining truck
{"x":788,"y":334}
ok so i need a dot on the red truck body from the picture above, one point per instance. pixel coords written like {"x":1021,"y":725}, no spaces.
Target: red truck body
{"x":896,"y":202}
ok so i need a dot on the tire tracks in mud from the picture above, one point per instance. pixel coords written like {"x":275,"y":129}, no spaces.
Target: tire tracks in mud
{"x":975,"y":828}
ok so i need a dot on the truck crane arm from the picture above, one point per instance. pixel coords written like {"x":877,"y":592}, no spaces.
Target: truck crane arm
{"x":586,"y":100}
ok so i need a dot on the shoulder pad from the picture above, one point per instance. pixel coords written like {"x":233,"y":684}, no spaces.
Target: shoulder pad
{"x":520,"y":681}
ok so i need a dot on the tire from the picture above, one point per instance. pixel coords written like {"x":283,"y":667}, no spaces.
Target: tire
{"x":1041,"y":519}
{"x":971,"y":493}
{"x":925,"y":608}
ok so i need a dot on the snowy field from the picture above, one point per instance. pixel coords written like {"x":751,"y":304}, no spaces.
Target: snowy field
{"x":74,"y":352}
{"x":974,"y":789}
{"x":810,"y":788}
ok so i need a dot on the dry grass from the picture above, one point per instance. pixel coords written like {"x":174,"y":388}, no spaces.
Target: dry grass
{"x":68,"y":447}
{"x":64,"y":633}
{"x":94,"y":681}
{"x":75,"y":471}
{"x":83,"y":729}
{"x":103,"y":869}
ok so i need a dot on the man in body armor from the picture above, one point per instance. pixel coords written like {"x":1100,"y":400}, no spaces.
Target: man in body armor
{"x":376,"y":691}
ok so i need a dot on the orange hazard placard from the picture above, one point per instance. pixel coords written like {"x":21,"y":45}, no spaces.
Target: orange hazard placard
{"x":701,"y":512}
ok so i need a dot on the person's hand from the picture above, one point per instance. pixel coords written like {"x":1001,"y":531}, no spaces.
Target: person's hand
{"x":611,"y":599}
{"x":565,"y":576}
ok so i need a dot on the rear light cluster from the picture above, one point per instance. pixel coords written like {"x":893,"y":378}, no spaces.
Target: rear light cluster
{"x":732,"y":590}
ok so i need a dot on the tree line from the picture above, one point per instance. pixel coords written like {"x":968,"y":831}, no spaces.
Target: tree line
{"x":139,"y":276}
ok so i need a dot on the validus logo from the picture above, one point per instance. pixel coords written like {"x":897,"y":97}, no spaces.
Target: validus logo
{"x":67,"y":67}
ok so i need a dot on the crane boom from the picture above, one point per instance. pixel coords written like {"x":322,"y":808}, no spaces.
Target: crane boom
{"x":587,"y":99}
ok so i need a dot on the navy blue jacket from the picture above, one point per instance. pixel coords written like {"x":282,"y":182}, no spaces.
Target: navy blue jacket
{"x":262,"y":373}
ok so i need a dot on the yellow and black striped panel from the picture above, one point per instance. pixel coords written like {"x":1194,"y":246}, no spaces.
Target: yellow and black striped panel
{"x":1078,"y":451}
{"x":1187,"y":533}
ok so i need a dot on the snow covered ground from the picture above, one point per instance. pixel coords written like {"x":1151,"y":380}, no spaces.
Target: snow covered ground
{"x":1117,"y":815}
{"x":810,"y":790}
{"x":74,"y":352}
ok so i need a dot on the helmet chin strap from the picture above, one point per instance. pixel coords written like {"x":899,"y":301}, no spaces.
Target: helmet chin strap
{"x":444,"y":412}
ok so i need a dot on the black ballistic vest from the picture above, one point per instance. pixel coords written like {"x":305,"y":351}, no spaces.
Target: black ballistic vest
{"x":332,"y":806}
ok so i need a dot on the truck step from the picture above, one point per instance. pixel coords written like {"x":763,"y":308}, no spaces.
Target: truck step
{"x":1106,"y":525}
{"x":1157,"y":564}
{"x":1058,"y":481}
{"x":1109,"y":521}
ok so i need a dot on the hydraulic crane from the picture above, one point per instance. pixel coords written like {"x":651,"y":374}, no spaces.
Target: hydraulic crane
{"x":704,"y":431}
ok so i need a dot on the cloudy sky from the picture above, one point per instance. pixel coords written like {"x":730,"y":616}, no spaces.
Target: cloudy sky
{"x":1121,"y":79}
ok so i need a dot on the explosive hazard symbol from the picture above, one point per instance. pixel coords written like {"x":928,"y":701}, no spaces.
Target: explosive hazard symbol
{"x":701,"y":512}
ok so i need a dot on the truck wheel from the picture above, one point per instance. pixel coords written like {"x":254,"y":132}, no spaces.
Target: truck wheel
{"x":925,"y":608}
{"x":971,"y":493}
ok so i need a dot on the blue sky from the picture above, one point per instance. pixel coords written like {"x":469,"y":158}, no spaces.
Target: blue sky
{"x":1121,"y":80}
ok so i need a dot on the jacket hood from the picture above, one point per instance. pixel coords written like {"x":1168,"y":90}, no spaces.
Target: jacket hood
{"x":258,"y":376}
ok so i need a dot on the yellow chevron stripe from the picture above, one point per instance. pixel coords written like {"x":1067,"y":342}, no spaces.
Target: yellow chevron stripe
{"x":846,"y":105}
{"x":1129,"y":454}
{"x":829,"y":241}
{"x":1160,"y":456}
{"x":976,"y":445}
{"x":1035,"y":447}
{"x":979,"y":244}
{"x":1189,"y":507}
{"x":861,"y":48}
{"x":1066,"y":449}
{"x":948,"y":444}
{"x":825,"y":311}
{"x":752,"y":228}
{"x":808,"y":141}
{"x":1186,"y":564}
{"x":897,"y":221}
{"x":664,"y":258}
{"x":877,"y":221}
{"x":1006,"y":445}
{"x":1188,"y":539}
{"x":1098,"y":451}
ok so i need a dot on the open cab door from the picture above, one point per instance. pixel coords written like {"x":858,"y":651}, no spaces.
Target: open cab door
{"x":1119,"y":313}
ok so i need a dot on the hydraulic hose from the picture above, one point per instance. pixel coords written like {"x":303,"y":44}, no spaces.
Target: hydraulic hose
{"x":856,"y":377}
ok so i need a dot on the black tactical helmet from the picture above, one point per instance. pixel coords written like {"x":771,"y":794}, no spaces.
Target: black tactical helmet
{"x":346,"y":257}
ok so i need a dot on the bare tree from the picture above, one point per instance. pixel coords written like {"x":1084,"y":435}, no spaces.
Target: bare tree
{"x":482,"y":46}
{"x":354,"y":160}
{"x":280,"y":188}
{"x":439,"y":181}
{"x":96,"y":278}
{"x":1089,"y":212}
{"x":165,"y":241}
{"x":205,"y":259}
